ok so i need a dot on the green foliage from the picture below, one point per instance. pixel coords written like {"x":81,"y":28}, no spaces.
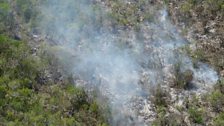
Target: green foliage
{"x":16,"y":60}
{"x":24,"y":8}
{"x":25,"y":102}
{"x":165,"y":118}
{"x":220,"y":85}
{"x":217,"y":100}
{"x":205,"y":11}
{"x":189,"y":4}
{"x":27,"y":11}
{"x":160,"y":97}
{"x":4,"y":6}
{"x":206,"y":54}
{"x":215,"y":5}
{"x":199,"y":54}
{"x":186,"y":7}
{"x":210,"y":5}
{"x":170,"y":120}
{"x":4,"y":15}
{"x":195,"y":109}
{"x":196,"y":115}
{"x":219,"y":120}
{"x":130,"y":13}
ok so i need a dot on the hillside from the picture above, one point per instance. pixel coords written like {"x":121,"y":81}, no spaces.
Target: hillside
{"x":32,"y":90}
{"x":105,"y":62}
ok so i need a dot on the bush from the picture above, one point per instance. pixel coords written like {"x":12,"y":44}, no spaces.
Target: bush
{"x":217,"y":100}
{"x":130,"y":14}
{"x":219,"y":120}
{"x":196,"y":115}
{"x":220,"y":85}
{"x":214,"y":5}
{"x":160,"y":97}
{"x":182,"y":78}
{"x":209,"y":5}
{"x":170,"y":120}
{"x":4,"y":12}
{"x":24,"y":101}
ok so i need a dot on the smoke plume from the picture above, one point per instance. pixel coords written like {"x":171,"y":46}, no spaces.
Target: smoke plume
{"x":115,"y":61}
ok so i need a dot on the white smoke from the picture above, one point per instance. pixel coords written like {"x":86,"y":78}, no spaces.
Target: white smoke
{"x":115,"y":62}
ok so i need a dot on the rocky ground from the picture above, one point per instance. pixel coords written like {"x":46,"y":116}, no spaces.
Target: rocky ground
{"x":168,"y":104}
{"x":202,"y":24}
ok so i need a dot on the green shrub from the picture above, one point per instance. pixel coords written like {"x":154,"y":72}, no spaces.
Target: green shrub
{"x":170,"y":120}
{"x":220,"y":85}
{"x":186,"y":7}
{"x":217,"y":100}
{"x":4,"y":6}
{"x":219,"y":120}
{"x":215,"y":5}
{"x":130,"y":14}
{"x":24,"y":101}
{"x":196,"y":115}
{"x":4,"y":13}
{"x":160,"y":97}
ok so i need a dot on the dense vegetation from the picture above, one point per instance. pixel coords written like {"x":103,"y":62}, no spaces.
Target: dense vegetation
{"x":130,"y":13}
{"x":4,"y":16}
{"x":28,"y":95}
{"x":25,"y":101}
{"x":28,"y":98}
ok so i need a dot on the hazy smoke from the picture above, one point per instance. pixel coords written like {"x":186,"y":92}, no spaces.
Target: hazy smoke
{"x":115,"y":62}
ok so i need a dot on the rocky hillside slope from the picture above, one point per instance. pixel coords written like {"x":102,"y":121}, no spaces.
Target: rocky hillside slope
{"x":35,"y":83}
{"x":202,"y":22}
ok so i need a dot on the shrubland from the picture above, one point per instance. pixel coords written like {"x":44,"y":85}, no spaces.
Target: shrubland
{"x":27,"y":101}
